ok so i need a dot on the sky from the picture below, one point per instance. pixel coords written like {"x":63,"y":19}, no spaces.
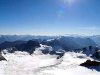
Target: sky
{"x":50,"y":17}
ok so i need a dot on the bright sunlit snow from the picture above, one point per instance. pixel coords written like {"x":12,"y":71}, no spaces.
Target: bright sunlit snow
{"x":21,"y":63}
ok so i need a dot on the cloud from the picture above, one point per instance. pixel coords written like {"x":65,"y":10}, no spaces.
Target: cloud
{"x":88,"y":28}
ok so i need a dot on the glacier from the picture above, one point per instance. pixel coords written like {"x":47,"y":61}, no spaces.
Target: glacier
{"x":22,"y":63}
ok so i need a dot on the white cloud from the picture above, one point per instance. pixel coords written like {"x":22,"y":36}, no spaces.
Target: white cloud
{"x":88,"y":28}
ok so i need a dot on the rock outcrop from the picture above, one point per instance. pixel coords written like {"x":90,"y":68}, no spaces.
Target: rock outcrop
{"x":89,"y":63}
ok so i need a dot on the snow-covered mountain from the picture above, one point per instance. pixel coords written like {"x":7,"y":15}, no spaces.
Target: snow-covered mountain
{"x":45,"y":64}
{"x":70,"y":43}
{"x":76,"y":38}
{"x":46,"y":55}
{"x":66,"y":43}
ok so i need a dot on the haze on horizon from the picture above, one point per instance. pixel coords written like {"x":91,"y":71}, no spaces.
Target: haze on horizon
{"x":49,"y":17}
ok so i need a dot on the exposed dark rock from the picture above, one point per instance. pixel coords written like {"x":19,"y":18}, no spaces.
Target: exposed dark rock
{"x":90,"y":47}
{"x":7,"y":44}
{"x":84,"y":49}
{"x":2,"y":58}
{"x":45,"y":51}
{"x":60,"y":55}
{"x":12,"y":49}
{"x":89,"y":63}
{"x":52,"y":52}
{"x":97,"y":54}
{"x":29,"y":46}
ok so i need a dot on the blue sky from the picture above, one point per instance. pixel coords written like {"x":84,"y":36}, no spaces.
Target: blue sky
{"x":50,"y":17}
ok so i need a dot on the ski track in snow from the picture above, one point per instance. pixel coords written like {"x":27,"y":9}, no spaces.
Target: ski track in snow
{"x":21,"y":63}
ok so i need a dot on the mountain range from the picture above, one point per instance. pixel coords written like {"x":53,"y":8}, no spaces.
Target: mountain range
{"x":29,"y":42}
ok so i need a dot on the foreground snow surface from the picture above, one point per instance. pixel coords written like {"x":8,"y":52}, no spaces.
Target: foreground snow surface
{"x":21,"y":63}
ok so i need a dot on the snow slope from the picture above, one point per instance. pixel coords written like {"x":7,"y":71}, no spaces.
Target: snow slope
{"x":70,"y":66}
{"x":21,"y":63}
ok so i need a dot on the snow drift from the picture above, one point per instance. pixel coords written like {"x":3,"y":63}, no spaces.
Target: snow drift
{"x":21,"y":63}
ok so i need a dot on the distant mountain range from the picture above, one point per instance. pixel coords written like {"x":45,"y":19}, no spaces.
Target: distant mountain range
{"x":29,"y":42}
{"x":53,"y":45}
{"x":70,"y":43}
{"x":12,"y":38}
